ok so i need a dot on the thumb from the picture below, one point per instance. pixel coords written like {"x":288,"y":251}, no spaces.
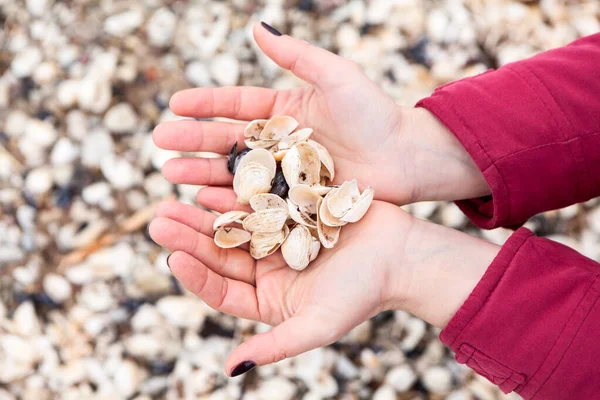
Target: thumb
{"x":297,"y":335}
{"x":309,"y":63}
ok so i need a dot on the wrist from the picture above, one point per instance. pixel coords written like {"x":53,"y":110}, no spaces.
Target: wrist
{"x":441,"y":167}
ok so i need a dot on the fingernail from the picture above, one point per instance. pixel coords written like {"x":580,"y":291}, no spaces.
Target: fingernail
{"x":169,"y":256}
{"x":242,"y":368}
{"x":270,"y":29}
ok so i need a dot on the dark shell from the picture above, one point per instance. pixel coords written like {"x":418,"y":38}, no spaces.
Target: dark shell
{"x":239,"y":158}
{"x":232,"y":158}
{"x":279,"y":186}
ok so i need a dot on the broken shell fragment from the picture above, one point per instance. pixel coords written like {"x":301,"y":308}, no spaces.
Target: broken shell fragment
{"x":359,"y":209}
{"x":300,"y":135}
{"x":301,"y":164}
{"x":325,"y":215}
{"x":278,"y":128}
{"x":297,"y":248}
{"x":299,"y":216}
{"x":305,"y":196}
{"x":328,"y":235}
{"x":328,"y":168}
{"x":342,"y":200}
{"x":228,"y":218}
{"x":254,"y":128}
{"x":265,"y":201}
{"x":265,"y":244}
{"x":227,"y":238}
{"x":266,"y":220}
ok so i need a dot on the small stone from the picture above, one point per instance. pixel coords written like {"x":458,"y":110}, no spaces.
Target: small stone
{"x":197,"y":74}
{"x":96,"y":193}
{"x":38,"y":8}
{"x":124,"y":23}
{"x":119,"y":172}
{"x":96,"y":146}
{"x":57,"y":288}
{"x":121,"y":118}
{"x":401,"y":378}
{"x":157,"y":186}
{"x":42,"y":133}
{"x":144,"y":345}
{"x":128,"y":378}
{"x":45,"y":73}
{"x":67,"y":93}
{"x":385,"y":392}
{"x":95,"y":94}
{"x":15,"y":123}
{"x":346,"y":368}
{"x":38,"y":181}
{"x":97,"y":297}
{"x":26,"y":320}
{"x":225,"y":69}
{"x":184,"y":312}
{"x":25,"y":62}
{"x":437,"y":380}
{"x":278,"y":388}
{"x":18,"y":349}
{"x":459,"y":395}
{"x":77,"y":126}
{"x":146,"y":317}
{"x":64,"y":152}
{"x":415,"y":330}
{"x":161,"y":27}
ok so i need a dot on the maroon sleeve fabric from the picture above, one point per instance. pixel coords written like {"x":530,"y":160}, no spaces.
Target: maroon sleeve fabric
{"x":531,"y":324}
{"x":533,"y":129}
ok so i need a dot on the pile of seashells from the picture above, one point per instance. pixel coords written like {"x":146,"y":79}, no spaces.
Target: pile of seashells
{"x":286,"y":178}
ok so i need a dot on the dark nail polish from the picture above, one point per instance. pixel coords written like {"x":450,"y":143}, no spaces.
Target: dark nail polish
{"x":270,"y":29}
{"x":242,"y":368}
{"x":169,"y":256}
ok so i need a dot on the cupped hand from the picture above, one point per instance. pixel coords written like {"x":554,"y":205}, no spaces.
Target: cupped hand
{"x":343,"y":287}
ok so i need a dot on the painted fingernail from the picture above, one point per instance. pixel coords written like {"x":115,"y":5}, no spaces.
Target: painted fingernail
{"x":270,"y":29}
{"x":169,"y":256}
{"x":242,"y":368}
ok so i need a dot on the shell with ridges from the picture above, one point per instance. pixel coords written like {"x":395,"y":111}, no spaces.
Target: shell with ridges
{"x":265,"y":244}
{"x":342,"y":200}
{"x":360,"y":208}
{"x":228,"y":218}
{"x":301,"y":164}
{"x":299,"y":216}
{"x":328,"y":235}
{"x":264,"y":201}
{"x":227,"y":238}
{"x":300,"y":135}
{"x":251,"y":179}
{"x":326,"y":160}
{"x":325,"y":215}
{"x":278,"y":128}
{"x":297,"y":248}
{"x":254,"y":128}
{"x":260,"y":156}
{"x":305,"y":197}
{"x":266,"y":221}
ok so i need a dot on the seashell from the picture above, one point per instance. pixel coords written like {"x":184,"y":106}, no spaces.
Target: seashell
{"x":251,"y":179}
{"x":278,"y":128}
{"x":228,"y":218}
{"x":328,"y":235}
{"x":260,"y":156}
{"x":265,"y":244}
{"x":265,"y":201}
{"x":300,"y":135}
{"x":297,"y":248}
{"x":279,"y":186}
{"x":259,"y":143}
{"x":301,"y":164}
{"x":238,"y":159}
{"x":278,"y":154}
{"x":254,"y":128}
{"x":314,"y":249}
{"x":227,"y":238}
{"x":231,"y":159}
{"x":359,"y":209}
{"x":325,"y":215}
{"x":328,"y":168}
{"x":299,"y":216}
{"x":322,"y":190}
{"x":266,"y":221}
{"x":342,"y":200}
{"x":305,"y":197}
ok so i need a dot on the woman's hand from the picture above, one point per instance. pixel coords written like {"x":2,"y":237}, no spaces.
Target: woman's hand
{"x":405,"y":154}
{"x":388,"y":260}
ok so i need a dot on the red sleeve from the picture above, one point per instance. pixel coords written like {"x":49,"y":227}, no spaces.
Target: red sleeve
{"x":531,"y":324}
{"x":533,"y":129}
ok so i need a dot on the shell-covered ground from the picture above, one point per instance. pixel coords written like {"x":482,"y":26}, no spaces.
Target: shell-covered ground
{"x":88,"y":308}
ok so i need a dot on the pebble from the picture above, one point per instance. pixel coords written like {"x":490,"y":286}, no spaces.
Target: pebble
{"x":157,"y":186}
{"x":146,"y":317}
{"x":185,"y":312}
{"x":121,"y":118}
{"x":26,"y":320}
{"x":97,"y":297}
{"x":124,"y":23}
{"x":277,"y":388}
{"x":437,"y":380}
{"x":385,"y":392}
{"x":25,"y":62}
{"x":96,"y":193}
{"x":67,"y":93}
{"x":119,"y":172}
{"x":95,"y":94}
{"x":57,"y":288}
{"x":42,"y":133}
{"x":37,"y":8}
{"x":415,"y":330}
{"x":197,"y":74}
{"x":95,"y":147}
{"x":401,"y":378}
{"x":38,"y":181}
{"x":225,"y":69}
{"x":10,"y":254}
{"x":64,"y":152}
{"x":161,"y":27}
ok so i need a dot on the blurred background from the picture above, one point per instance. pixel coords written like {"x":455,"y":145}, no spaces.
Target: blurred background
{"x":88,"y":308}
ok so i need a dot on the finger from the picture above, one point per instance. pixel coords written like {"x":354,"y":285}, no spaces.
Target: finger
{"x":189,"y":136}
{"x":220,"y":199}
{"x":220,"y":293}
{"x":292,"y":337}
{"x":241,"y":103}
{"x":309,"y":63}
{"x":196,"y":218}
{"x":233,"y":263}
{"x":198,"y":171}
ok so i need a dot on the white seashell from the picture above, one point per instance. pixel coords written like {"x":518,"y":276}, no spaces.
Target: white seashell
{"x":250,"y":180}
{"x":314,"y":249}
{"x":266,"y":221}
{"x":265,"y":244}
{"x":299,"y":216}
{"x":300,"y":135}
{"x":297,"y":248}
{"x":301,"y":164}
{"x":342,"y":200}
{"x":278,"y":128}
{"x":254,"y":128}
{"x":325,"y":215}
{"x":260,"y":144}
{"x":227,"y":238}
{"x":328,"y":168}
{"x":323,"y":190}
{"x":229,"y":217}
{"x":264,"y":201}
{"x":259,"y":156}
{"x":278,"y":154}
{"x":305,"y":196}
{"x":359,"y":209}
{"x":328,"y":235}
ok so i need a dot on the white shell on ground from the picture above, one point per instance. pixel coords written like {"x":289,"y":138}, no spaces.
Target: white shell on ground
{"x":252,"y":179}
{"x":254,"y":128}
{"x":301,"y":164}
{"x":227,"y":238}
{"x":278,"y":128}
{"x":265,"y":201}
{"x":266,"y":221}
{"x":326,"y":160}
{"x":342,"y":200}
{"x":228,"y":218}
{"x":328,"y":235}
{"x":299,"y":216}
{"x":360,"y":208}
{"x":265,"y":244}
{"x":297,"y":248}
{"x":305,"y":197}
